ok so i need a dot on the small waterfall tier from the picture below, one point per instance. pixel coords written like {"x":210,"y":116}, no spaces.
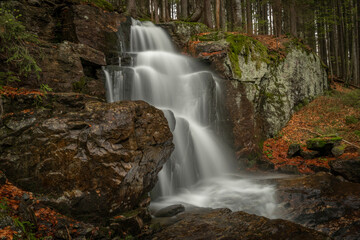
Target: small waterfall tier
{"x":201,"y":171}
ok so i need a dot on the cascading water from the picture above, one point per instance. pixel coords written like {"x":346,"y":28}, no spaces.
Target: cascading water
{"x":201,"y":169}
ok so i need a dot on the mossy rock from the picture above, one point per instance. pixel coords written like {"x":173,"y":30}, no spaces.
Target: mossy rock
{"x":337,"y":151}
{"x":323,"y":144}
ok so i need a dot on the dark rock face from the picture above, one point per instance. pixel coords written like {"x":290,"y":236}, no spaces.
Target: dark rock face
{"x":322,"y":202}
{"x":65,"y":67}
{"x":90,"y":158}
{"x":224,"y":224}
{"x":75,"y":42}
{"x":347,"y":168}
{"x":294,"y":149}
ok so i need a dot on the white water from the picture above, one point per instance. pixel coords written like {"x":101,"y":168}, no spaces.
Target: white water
{"x":200,"y":171}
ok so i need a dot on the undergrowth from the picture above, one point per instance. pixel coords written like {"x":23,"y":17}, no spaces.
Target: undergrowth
{"x":14,"y":44}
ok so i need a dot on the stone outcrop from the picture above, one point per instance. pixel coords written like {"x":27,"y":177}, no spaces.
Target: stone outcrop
{"x":75,"y":41}
{"x":322,"y":202}
{"x":347,"y":168}
{"x":90,"y":159}
{"x":182,"y":32}
{"x":262,"y":86}
{"x":224,"y":224}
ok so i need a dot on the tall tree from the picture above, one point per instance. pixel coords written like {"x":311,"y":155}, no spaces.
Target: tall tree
{"x":131,"y":8}
{"x":184,"y":9}
{"x":217,"y":13}
{"x":277,"y":17}
{"x":249,"y":25}
{"x":207,"y":14}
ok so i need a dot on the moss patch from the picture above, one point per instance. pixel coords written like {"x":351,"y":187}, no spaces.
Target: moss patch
{"x":321,"y":142}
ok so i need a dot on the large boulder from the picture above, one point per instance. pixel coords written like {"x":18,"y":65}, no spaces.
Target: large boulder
{"x":91,"y":159}
{"x":224,"y":224}
{"x":347,"y":168}
{"x":322,"y":202}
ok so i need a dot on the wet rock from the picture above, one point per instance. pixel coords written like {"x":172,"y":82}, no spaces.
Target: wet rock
{"x":130,"y":222}
{"x":90,"y":159}
{"x":75,"y":40}
{"x":224,"y":224}
{"x":347,"y":168}
{"x":294,"y":150}
{"x":322,"y":202}
{"x":316,"y":168}
{"x":69,"y":65}
{"x":309,"y":154}
{"x":264,"y":164}
{"x":337,"y":151}
{"x":291,"y":169}
{"x":170,"y":211}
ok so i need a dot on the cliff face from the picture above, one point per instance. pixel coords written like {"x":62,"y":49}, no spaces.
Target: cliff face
{"x":75,"y":41}
{"x":265,"y":81}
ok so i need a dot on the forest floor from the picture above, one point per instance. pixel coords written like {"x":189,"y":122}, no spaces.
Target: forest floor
{"x":336,"y":112}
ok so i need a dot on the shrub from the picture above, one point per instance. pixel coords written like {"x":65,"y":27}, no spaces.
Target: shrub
{"x":14,"y":42}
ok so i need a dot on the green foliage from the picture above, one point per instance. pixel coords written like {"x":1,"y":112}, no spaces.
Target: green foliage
{"x":44,"y":89}
{"x":80,"y":85}
{"x":26,"y":229}
{"x":357,"y":133}
{"x":4,"y":205}
{"x":101,"y":4}
{"x":14,"y":42}
{"x":351,"y":120}
{"x":8,"y":77}
{"x":351,"y":99}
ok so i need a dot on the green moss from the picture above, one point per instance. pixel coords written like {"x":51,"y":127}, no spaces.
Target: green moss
{"x":101,"y":4}
{"x":351,"y":120}
{"x":320,"y":142}
{"x":357,"y":133}
{"x":80,"y":85}
{"x":246,"y":46}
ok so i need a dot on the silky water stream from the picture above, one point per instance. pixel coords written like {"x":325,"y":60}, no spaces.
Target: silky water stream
{"x":202,"y":171}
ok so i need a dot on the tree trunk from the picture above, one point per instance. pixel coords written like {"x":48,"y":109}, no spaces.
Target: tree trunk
{"x":184,"y":9}
{"x":196,"y":16}
{"x":293,"y":21}
{"x":208,"y":14}
{"x":156,"y":11}
{"x":249,"y":25}
{"x":131,"y":8}
{"x":217,"y":14}
{"x":222,"y":16}
{"x":277,"y":17}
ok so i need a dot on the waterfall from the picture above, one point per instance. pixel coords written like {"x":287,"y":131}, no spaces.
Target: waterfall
{"x":202,"y":170}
